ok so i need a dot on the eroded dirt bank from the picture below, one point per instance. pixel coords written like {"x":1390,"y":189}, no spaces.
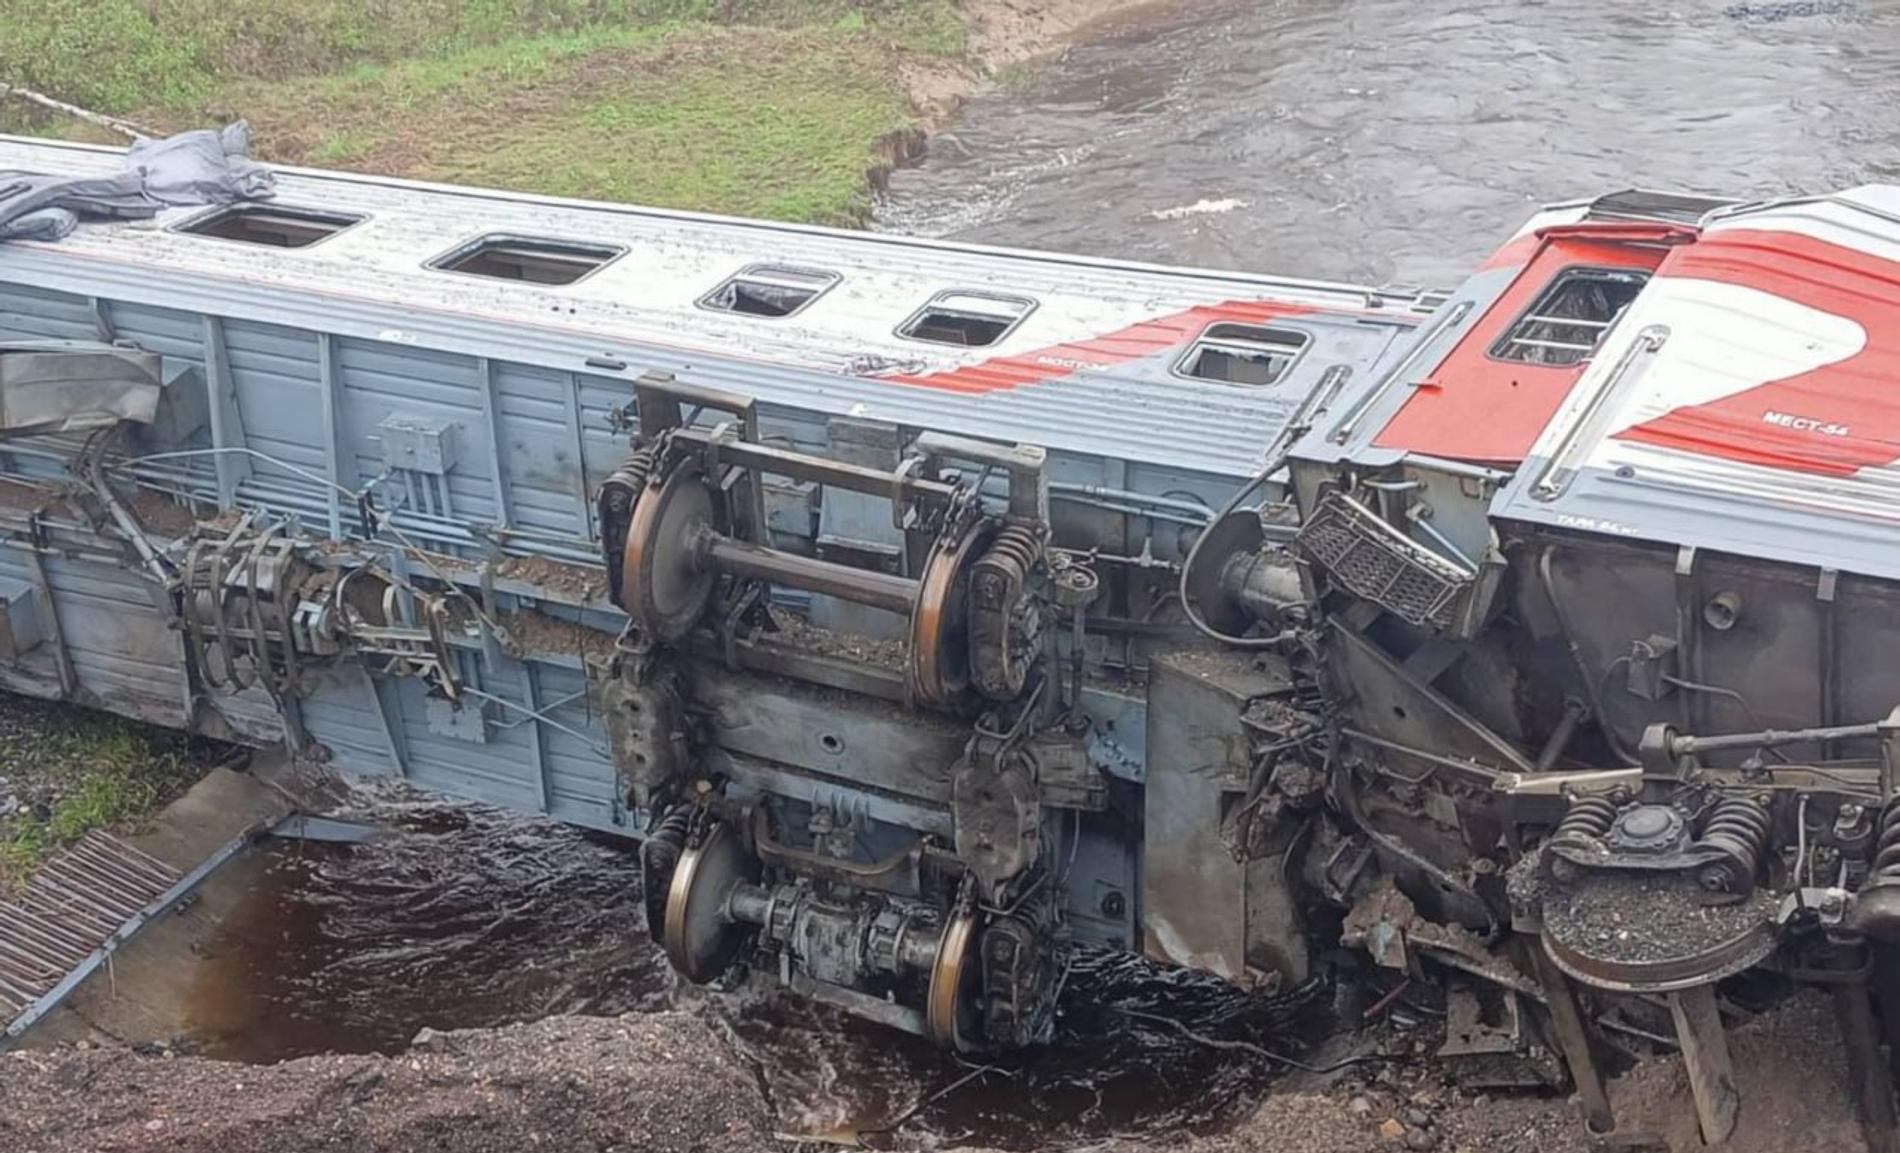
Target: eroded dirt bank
{"x":669,"y":1081}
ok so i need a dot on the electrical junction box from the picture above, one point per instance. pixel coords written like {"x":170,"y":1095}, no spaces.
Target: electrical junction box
{"x":418,"y":443}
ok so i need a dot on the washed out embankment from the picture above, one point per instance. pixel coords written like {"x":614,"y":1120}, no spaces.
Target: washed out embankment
{"x":782,"y":109}
{"x":669,"y":1081}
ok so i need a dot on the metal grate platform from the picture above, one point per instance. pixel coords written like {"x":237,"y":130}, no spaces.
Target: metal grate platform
{"x":72,"y":908}
{"x":1367,"y":556}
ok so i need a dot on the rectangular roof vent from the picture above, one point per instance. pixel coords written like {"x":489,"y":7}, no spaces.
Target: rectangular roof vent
{"x":271,"y":225}
{"x":1567,"y":321}
{"x":966,"y":319}
{"x":529,"y":259}
{"x":769,"y":290}
{"x":1242,"y":354}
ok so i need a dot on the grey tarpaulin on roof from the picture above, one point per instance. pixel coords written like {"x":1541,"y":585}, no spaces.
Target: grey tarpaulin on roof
{"x":201,"y":167}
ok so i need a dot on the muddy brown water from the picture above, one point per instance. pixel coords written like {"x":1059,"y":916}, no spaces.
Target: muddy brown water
{"x":1372,"y":140}
{"x":462,"y":917}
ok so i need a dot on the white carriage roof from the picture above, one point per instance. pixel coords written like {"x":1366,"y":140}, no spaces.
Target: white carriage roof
{"x":1084,"y":361}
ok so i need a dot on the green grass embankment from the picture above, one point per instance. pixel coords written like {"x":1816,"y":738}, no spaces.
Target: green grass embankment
{"x":65,"y":771}
{"x":776,"y":108}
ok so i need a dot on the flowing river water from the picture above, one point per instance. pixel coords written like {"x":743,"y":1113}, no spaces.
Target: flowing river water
{"x":1370,"y":140}
{"x":1387,"y":141}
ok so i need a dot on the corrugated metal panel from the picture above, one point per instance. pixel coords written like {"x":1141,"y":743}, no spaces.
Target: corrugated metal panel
{"x":120,"y":647}
{"x":537,"y":446}
{"x":341,"y":713}
{"x":30,"y":313}
{"x":279,"y":394}
{"x":582,"y":783}
{"x":162,"y":330}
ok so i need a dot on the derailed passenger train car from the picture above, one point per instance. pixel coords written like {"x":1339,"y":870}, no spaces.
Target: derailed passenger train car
{"x":883,"y":588}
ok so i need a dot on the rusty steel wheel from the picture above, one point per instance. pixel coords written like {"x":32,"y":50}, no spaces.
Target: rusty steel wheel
{"x":939,"y":624}
{"x":662,"y":588}
{"x":950,"y":1008}
{"x":699,"y":938}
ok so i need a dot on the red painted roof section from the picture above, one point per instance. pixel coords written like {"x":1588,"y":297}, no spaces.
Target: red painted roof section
{"x":1848,"y":411}
{"x":1478,"y":408}
{"x":1145,"y":338}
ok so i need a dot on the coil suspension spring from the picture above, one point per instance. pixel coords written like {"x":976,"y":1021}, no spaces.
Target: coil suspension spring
{"x":659,"y":855}
{"x":1017,"y":545}
{"x":1003,"y":627}
{"x":1587,"y":819}
{"x":1738,"y":827}
{"x":1886,"y":866}
{"x":614,"y":509}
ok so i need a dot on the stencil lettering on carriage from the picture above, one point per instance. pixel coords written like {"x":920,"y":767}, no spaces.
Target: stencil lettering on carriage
{"x":1803,"y":423}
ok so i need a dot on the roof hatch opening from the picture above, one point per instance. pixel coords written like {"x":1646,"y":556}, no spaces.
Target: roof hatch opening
{"x":271,"y":225}
{"x":966,"y":319}
{"x":527,"y":258}
{"x":769,"y":290}
{"x":1242,"y":354}
{"x":1567,"y":321}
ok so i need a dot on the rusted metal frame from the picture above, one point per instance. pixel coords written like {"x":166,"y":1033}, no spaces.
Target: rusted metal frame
{"x":43,"y":592}
{"x":1026,"y":465}
{"x":110,"y":859}
{"x":38,"y":931}
{"x":392,"y":729}
{"x":131,"y":927}
{"x":491,"y":645}
{"x":64,"y":897}
{"x":491,"y":418}
{"x":767,"y":655}
{"x":227,"y":430}
{"x":862,"y":586}
{"x":659,"y":402}
{"x":578,"y":440}
{"x":333,"y":450}
{"x":1706,"y":1059}
{"x":537,"y":739}
{"x":53,"y":954}
{"x":899,"y":873}
{"x":898,"y":486}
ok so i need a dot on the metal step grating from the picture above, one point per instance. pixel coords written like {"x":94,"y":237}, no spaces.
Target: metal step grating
{"x":69,"y":910}
{"x":1369,"y":557}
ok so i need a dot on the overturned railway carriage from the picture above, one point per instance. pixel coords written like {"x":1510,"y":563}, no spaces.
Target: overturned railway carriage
{"x":922,"y":607}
